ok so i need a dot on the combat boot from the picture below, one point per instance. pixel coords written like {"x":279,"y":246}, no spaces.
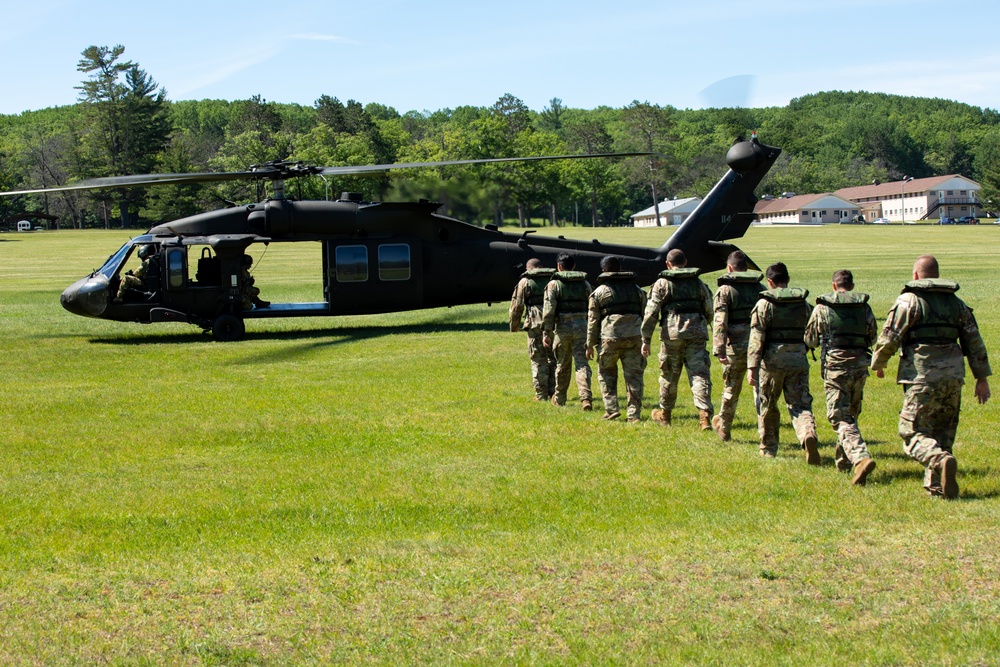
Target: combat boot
{"x":556,"y":402}
{"x":586,"y":404}
{"x":660,"y":416}
{"x":948,"y":466}
{"x":705,"y":420}
{"x":811,"y":445}
{"x":862,"y":470}
{"x":721,"y":428}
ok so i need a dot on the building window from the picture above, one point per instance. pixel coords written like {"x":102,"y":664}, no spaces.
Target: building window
{"x":352,"y":264}
{"x":394,"y":262}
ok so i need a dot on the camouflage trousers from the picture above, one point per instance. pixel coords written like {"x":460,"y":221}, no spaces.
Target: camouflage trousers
{"x":543,"y":366}
{"x":130,"y":282}
{"x":629,"y":352}
{"x":675,"y":356}
{"x":795,"y":385}
{"x":570,"y":348}
{"x":844,"y":392}
{"x":733,"y":375}
{"x":928,"y":423}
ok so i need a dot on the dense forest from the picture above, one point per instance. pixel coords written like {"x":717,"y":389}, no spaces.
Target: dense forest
{"x":124,"y":124}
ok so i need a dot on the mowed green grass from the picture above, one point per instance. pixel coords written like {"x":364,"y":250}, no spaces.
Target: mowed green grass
{"x":383,"y":489}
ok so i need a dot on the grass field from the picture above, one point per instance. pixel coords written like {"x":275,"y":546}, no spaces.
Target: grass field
{"x":383,"y":490}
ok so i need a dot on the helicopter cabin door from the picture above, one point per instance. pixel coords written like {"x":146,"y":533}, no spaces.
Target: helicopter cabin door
{"x":374,"y":275}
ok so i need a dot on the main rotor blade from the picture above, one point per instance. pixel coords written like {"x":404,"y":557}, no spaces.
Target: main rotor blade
{"x":364,"y":169}
{"x":145,"y":179}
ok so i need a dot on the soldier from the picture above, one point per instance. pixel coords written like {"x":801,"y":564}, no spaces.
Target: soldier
{"x":144,"y":280}
{"x":682,"y":304}
{"x":615,"y":324}
{"x":776,"y":363}
{"x":564,"y":326}
{"x":739,"y":290}
{"x":250,"y":294}
{"x":529,"y":295}
{"x":935,"y":330}
{"x":842,"y":323}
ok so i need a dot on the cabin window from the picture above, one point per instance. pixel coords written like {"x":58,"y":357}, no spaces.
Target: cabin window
{"x":175,"y":268}
{"x":352,"y":264}
{"x":394,"y":262}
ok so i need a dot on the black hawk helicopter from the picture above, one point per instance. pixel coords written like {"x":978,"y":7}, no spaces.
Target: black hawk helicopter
{"x":377,"y":257}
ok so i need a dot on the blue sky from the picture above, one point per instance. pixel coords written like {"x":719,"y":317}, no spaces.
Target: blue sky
{"x":434,"y":55}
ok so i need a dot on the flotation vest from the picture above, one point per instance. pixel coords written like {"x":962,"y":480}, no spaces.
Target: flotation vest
{"x":686,"y":296}
{"x":534,"y":295}
{"x":573,"y":296}
{"x":626,"y":296}
{"x":848,"y":328}
{"x":748,"y":287}
{"x":940,"y":312}
{"x":791,"y":314}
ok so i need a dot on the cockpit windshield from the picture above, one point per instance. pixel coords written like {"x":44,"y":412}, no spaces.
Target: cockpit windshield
{"x":110,"y":266}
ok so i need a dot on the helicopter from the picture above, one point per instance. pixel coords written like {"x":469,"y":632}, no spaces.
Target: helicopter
{"x":377,"y":257}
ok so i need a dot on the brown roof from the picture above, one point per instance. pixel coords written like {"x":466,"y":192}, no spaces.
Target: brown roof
{"x":780,"y":204}
{"x":884,"y":190}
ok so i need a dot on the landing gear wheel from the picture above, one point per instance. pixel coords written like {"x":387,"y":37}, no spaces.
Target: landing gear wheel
{"x":228,"y":328}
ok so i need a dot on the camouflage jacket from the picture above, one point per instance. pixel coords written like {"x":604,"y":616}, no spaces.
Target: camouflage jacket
{"x":923,"y":362}
{"x":675,"y":326}
{"x":730,"y":337}
{"x":525,"y":302}
{"x":616,"y":309}
{"x":819,"y":329}
{"x":566,"y":302}
{"x":764,"y":351}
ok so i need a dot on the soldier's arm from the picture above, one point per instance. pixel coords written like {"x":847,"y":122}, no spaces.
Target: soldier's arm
{"x":652,"y":313}
{"x":720,"y":323}
{"x":814,"y":328}
{"x":871,"y":327}
{"x":707,"y":308}
{"x":549,"y":308}
{"x":973,"y":346}
{"x":593,"y":324}
{"x":758,"y":335}
{"x":903,"y":314}
{"x":516,"y":307}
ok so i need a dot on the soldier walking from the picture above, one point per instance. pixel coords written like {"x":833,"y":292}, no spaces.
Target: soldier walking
{"x":527,"y":300}
{"x":843,"y":326}
{"x":682,"y":304}
{"x":777,"y":363}
{"x":738,"y":291}
{"x":615,"y":327}
{"x":564,"y":326}
{"x":936,"y":331}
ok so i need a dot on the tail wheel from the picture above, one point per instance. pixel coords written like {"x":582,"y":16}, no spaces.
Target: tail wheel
{"x":228,"y":328}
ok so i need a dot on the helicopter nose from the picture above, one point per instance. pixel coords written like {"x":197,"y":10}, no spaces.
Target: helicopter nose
{"x":87,"y":297}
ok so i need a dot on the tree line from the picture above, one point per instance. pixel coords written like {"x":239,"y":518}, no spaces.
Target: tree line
{"x":124,"y":124}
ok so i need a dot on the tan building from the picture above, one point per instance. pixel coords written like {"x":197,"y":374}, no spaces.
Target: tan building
{"x":805,"y":210}
{"x":911,"y":200}
{"x":672,"y":212}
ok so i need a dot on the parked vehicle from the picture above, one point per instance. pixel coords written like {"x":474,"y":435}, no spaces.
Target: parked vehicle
{"x":967,"y":220}
{"x":946,"y":221}
{"x":881,"y":221}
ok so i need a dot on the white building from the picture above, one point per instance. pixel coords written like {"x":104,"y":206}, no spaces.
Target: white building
{"x":952,"y":196}
{"x":672,"y":212}
{"x":806,"y":210}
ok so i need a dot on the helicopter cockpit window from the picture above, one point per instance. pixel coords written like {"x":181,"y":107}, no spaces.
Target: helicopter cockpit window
{"x":115,"y":261}
{"x":175,"y":267}
{"x":352,"y":264}
{"x":394,"y":262}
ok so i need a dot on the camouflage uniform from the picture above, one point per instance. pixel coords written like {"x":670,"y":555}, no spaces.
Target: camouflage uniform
{"x":529,"y":295}
{"x":249,"y":294}
{"x":737,"y":294}
{"x":682,"y":304}
{"x":564,"y":315}
{"x":615,"y":328}
{"x":139,"y":280}
{"x":843,"y":325}
{"x":935,"y":329}
{"x":777,"y":348}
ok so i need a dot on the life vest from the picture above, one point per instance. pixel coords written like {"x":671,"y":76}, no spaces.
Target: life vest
{"x":791,"y":314}
{"x":748,"y":288}
{"x":573,"y":296}
{"x":940,"y":312}
{"x":534,"y":295}
{"x":848,"y":328}
{"x":626,"y":296}
{"x":686,"y":295}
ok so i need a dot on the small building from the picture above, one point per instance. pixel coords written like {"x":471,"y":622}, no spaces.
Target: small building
{"x":672,"y":212}
{"x":806,"y":210}
{"x":913,"y":199}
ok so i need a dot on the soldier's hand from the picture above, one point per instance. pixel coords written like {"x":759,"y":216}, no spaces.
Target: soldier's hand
{"x":547,"y":342}
{"x":590,"y":353}
{"x":982,"y":390}
{"x":645,"y":349}
{"x":752,"y":376}
{"x":724,"y":360}
{"x":880,"y":373}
